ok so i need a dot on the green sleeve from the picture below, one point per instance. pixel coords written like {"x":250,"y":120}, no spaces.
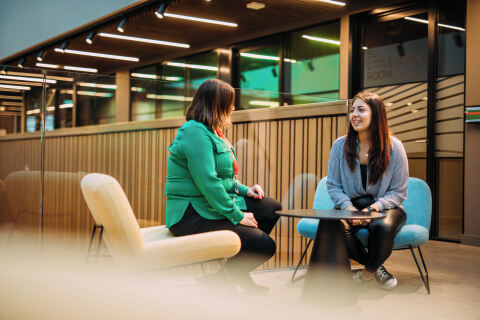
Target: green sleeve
{"x":242,"y":190}
{"x":198,"y":150}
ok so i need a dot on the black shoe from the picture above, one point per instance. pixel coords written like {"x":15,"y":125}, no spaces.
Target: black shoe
{"x":385,"y":278}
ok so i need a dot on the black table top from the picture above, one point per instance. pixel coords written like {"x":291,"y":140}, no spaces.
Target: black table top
{"x":332,"y":214}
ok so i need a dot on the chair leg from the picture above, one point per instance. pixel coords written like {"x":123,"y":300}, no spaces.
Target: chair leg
{"x":292,"y":280}
{"x":91,"y":241}
{"x":423,"y":275}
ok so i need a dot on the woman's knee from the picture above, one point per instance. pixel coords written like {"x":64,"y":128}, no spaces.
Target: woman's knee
{"x":266,"y":246}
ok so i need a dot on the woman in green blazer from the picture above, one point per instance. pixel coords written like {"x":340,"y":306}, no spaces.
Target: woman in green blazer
{"x":202,"y":187}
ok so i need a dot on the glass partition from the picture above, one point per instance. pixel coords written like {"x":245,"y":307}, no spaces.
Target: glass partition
{"x":283,"y":148}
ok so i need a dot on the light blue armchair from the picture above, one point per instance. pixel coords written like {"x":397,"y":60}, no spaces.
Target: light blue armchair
{"x":412,"y":235}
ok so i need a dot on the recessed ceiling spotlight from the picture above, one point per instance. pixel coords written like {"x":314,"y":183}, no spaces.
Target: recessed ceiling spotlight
{"x":121,"y":26}
{"x":41,"y":55}
{"x":255,"y":5}
{"x":63,"y":47}
{"x":21,"y":62}
{"x":89,"y":38}
{"x":161,"y":10}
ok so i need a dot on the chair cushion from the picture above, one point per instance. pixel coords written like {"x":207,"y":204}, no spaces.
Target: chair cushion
{"x":412,"y":234}
{"x":307,"y":227}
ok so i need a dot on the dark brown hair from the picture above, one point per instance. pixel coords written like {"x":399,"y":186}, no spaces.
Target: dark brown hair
{"x":379,"y":153}
{"x":211,"y":104}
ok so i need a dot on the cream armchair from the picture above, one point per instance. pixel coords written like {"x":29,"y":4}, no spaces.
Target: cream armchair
{"x":149,"y":248}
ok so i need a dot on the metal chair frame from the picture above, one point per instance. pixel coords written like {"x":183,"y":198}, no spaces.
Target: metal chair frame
{"x":423,"y":272}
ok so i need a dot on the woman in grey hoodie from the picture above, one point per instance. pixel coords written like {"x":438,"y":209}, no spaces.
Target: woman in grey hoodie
{"x":368,"y":171}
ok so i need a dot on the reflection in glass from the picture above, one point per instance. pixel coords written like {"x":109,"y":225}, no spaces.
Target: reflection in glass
{"x":259,"y":71}
{"x":165,"y":90}
{"x":315,"y":70}
{"x":395,"y":61}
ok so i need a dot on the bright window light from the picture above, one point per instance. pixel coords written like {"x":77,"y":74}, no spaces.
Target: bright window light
{"x":99,"y":55}
{"x":321,"y":39}
{"x":179,"y":16}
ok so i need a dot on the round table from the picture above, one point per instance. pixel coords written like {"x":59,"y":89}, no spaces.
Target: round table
{"x":329,"y":277}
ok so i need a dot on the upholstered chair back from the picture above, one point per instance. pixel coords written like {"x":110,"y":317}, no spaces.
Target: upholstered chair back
{"x":418,"y":204}
{"x":322,"y":199}
{"x":110,"y":208}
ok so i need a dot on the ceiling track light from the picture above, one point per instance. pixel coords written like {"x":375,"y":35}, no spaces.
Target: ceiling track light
{"x":180,"y":16}
{"x":63,"y":47}
{"x":338,"y":3}
{"x":161,"y":10}
{"x":99,"y":55}
{"x":41,"y":55}
{"x":121,"y":26}
{"x":89,"y":38}
{"x":21,"y":62}
{"x":159,"y":42}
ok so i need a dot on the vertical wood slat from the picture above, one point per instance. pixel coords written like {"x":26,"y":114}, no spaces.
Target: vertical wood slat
{"x":271,"y":153}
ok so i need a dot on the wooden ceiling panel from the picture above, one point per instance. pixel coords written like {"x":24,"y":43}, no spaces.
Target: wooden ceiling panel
{"x":277,"y":16}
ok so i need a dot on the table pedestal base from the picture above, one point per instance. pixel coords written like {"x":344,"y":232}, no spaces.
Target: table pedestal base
{"x":329,"y":279}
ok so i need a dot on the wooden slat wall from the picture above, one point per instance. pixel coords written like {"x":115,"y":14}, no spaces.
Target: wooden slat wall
{"x":278,"y":154}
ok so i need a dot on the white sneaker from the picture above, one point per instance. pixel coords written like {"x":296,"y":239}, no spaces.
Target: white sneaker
{"x":385,"y":278}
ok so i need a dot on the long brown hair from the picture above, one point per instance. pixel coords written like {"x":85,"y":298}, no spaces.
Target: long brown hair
{"x":379,"y":153}
{"x":211,"y":104}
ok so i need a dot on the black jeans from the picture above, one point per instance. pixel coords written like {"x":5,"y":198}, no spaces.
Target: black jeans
{"x":256,"y":244}
{"x":382,"y":233}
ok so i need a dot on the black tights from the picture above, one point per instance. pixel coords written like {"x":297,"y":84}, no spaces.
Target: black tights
{"x":382,"y":232}
{"x":256,"y":244}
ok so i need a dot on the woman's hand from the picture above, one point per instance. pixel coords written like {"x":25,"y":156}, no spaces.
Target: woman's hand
{"x":354,"y":222}
{"x":249,"y":220}
{"x":256,"y":192}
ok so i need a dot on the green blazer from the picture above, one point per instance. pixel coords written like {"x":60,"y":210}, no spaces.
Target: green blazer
{"x":200,"y":171}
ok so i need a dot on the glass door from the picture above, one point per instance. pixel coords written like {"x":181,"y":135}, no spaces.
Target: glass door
{"x":416,"y":64}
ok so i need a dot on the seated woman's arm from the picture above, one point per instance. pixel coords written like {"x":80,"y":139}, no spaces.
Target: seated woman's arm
{"x":397,"y":192}
{"x":334,"y":180}
{"x":198,"y":150}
